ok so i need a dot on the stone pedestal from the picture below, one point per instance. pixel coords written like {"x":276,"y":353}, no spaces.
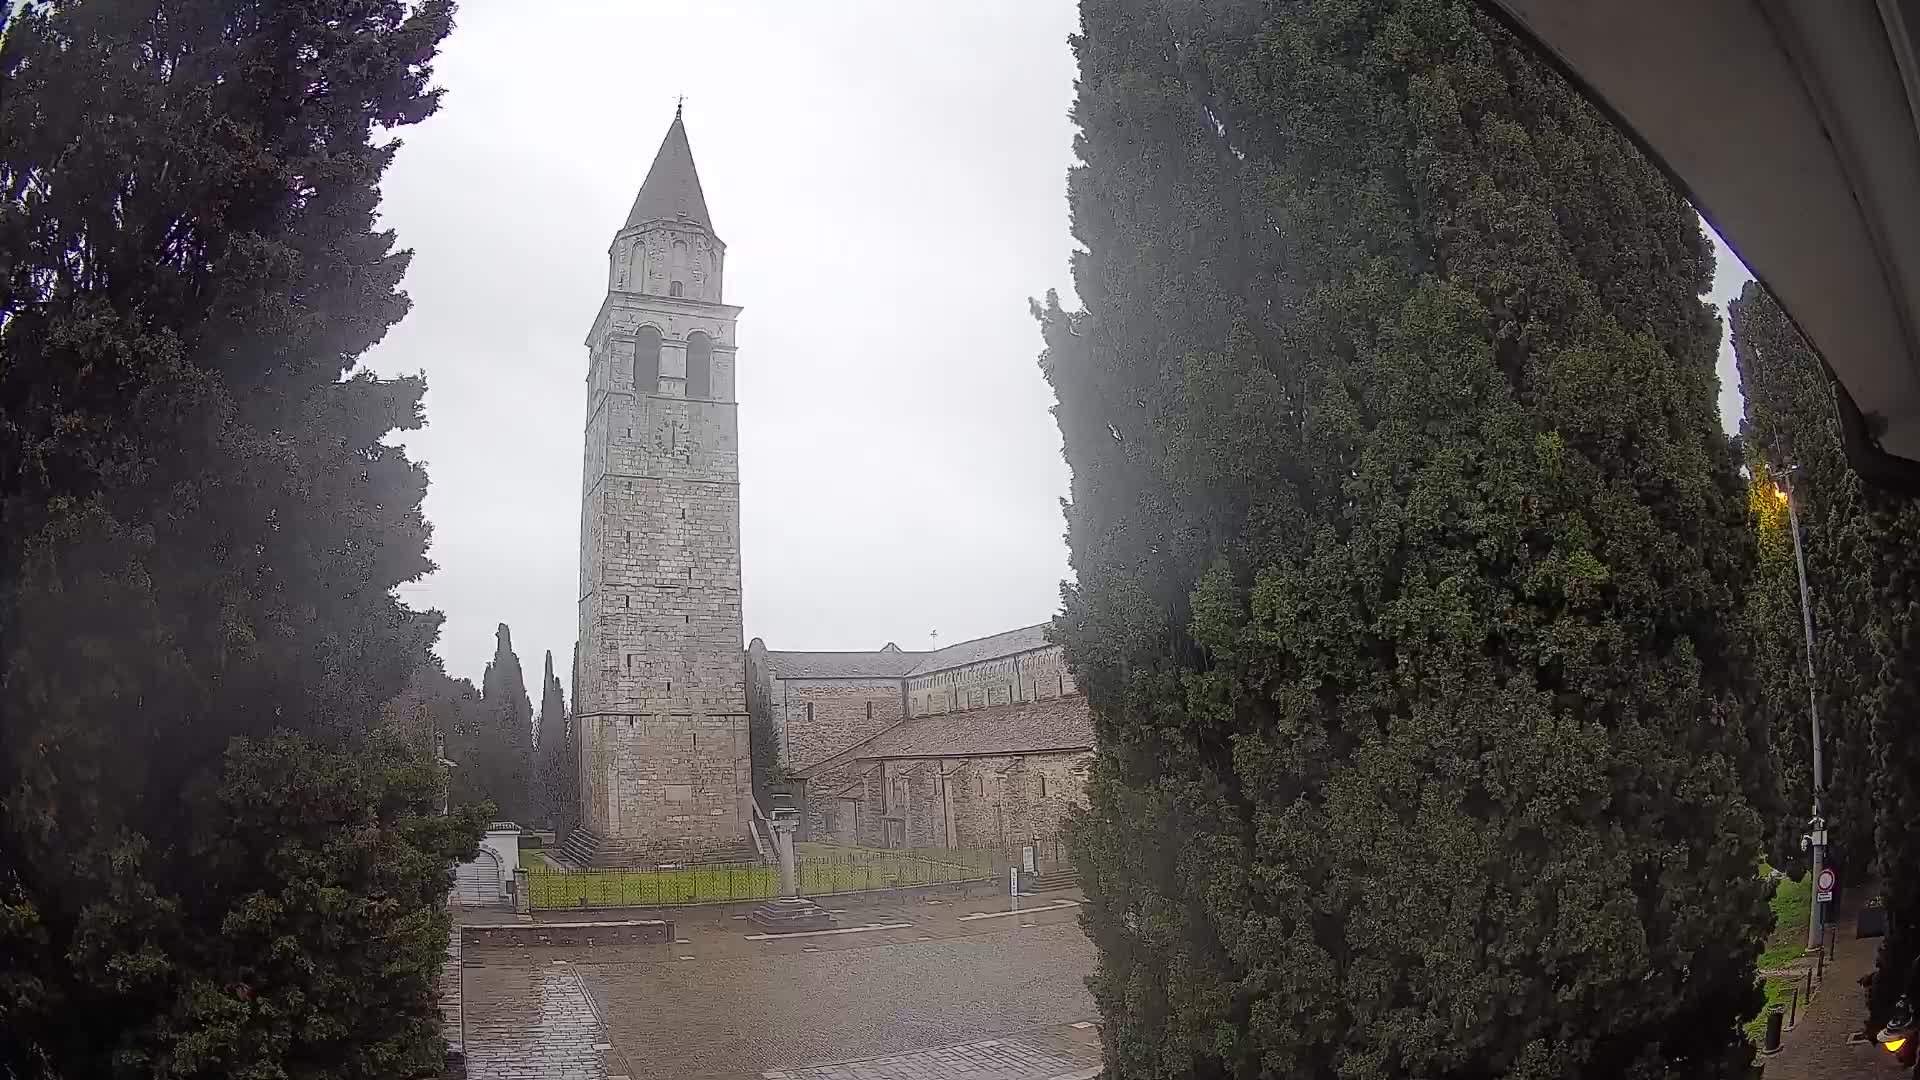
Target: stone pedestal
{"x":791,"y":914}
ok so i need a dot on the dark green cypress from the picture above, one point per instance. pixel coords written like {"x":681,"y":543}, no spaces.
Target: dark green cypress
{"x":212,"y":861}
{"x":554,"y":769}
{"x":1408,"y":553}
{"x":503,"y":759}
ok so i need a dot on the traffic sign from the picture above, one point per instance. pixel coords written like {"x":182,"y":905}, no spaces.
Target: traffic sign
{"x":1823,"y":885}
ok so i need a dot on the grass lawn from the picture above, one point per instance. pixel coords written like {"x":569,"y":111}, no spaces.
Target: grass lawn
{"x":823,"y":870}
{"x":1777,"y":991}
{"x":1792,"y":905}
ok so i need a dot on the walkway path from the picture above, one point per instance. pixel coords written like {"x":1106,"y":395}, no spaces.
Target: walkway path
{"x":450,"y":1021}
{"x":1817,"y":1048}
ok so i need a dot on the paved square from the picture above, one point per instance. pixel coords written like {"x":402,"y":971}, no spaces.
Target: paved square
{"x":530,"y":1024}
{"x":1047,"y":1055}
{"x":935,"y":998}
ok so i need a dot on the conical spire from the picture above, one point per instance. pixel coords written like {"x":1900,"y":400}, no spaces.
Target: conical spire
{"x":672,"y":188}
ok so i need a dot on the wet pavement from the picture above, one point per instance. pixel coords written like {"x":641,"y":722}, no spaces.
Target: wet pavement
{"x":532,"y":1025}
{"x":1069,"y":1052}
{"x":919,"y":991}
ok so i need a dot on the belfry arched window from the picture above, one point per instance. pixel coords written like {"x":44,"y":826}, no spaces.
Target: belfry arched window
{"x":699,"y":365}
{"x":646,"y":360}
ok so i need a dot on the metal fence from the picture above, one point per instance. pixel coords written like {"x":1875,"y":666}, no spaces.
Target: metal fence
{"x":820,"y":875}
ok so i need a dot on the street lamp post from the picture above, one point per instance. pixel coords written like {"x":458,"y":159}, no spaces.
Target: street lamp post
{"x":446,"y":770}
{"x":1817,"y":827}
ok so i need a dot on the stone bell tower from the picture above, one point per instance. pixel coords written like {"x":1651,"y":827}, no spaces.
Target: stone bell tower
{"x":661,"y":701}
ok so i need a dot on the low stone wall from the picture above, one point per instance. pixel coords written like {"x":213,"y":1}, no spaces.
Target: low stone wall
{"x":610,"y":932}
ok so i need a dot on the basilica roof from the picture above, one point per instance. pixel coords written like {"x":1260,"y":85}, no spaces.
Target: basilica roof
{"x":1051,"y":725}
{"x":887,"y":663}
{"x":1005,"y":643}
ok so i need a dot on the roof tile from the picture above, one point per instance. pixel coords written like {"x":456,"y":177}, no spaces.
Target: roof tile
{"x":993,"y":646}
{"x":881,"y":664}
{"x":1027,"y":727}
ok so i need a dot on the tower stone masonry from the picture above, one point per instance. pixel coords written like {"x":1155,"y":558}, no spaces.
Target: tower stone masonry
{"x":661,"y":695}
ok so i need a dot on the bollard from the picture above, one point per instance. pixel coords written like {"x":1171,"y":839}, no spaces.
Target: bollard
{"x":1809,"y":994}
{"x":1770,"y":1042}
{"x":1793,"y":1008}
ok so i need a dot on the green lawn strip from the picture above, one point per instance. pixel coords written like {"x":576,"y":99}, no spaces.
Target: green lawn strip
{"x":549,"y":888}
{"x":845,"y":870}
{"x":1778,"y":992}
{"x":1792,"y":905}
{"x":977,"y":861}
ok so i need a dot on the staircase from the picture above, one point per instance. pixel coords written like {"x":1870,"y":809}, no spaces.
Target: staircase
{"x":581,"y":848}
{"x":1055,"y":880}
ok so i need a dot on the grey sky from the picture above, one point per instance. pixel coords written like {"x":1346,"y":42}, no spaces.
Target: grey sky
{"x":889,"y":180}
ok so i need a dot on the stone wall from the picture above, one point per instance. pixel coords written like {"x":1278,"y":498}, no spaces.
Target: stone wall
{"x":667,"y":788}
{"x":541,"y":934}
{"x":661,"y":688}
{"x":1027,"y":676}
{"x":998,"y":803}
{"x":840,"y":805}
{"x":814,"y":719}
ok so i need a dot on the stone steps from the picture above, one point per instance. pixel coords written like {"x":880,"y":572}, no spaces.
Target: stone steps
{"x":1055,"y":880}
{"x":581,"y":848}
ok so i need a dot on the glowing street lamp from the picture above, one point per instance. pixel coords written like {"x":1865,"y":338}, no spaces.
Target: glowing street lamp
{"x":1815,"y":839}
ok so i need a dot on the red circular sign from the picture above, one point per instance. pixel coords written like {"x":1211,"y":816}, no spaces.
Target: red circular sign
{"x":1826,"y":879}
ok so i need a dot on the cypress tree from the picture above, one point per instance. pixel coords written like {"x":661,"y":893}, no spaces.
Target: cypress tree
{"x":1864,"y":584}
{"x":212,"y":863}
{"x":503,"y":760}
{"x":553,"y":767}
{"x":1407,"y":552}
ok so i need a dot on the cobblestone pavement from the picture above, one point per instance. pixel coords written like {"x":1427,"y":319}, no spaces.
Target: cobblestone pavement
{"x":718,"y":1005}
{"x":450,"y":993}
{"x":527,"y":1024}
{"x":1065,"y":1053}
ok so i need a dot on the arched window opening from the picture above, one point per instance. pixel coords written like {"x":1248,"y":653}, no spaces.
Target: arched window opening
{"x":676,"y":289}
{"x":699,"y":365}
{"x":646,"y":361}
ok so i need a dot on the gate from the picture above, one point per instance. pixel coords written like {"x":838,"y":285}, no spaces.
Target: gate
{"x":480,"y":883}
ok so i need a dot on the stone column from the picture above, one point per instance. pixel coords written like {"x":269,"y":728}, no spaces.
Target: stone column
{"x":790,"y":913}
{"x":946,"y":805}
{"x":783,"y":844}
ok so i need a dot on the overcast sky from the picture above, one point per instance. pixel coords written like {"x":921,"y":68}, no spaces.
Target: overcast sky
{"x":889,"y":180}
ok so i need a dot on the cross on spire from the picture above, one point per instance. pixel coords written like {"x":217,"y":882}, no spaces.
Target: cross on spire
{"x":679,"y":100}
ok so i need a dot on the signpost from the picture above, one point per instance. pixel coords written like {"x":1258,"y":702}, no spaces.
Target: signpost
{"x":1823,"y":885}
